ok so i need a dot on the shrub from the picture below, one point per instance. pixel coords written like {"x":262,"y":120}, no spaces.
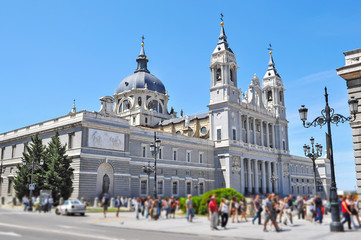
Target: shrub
{"x":220,"y":193}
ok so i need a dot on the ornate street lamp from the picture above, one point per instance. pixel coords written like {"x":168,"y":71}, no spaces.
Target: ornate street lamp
{"x":329,"y":116}
{"x":31,"y":186}
{"x":148,"y":170}
{"x":313,"y":155}
{"x":154,"y":149}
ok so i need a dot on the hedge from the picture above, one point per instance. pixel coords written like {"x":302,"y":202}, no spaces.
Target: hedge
{"x":200,"y":203}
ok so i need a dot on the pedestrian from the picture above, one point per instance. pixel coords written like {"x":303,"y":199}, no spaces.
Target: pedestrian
{"x":105,"y":204}
{"x":160,"y":206}
{"x":270,"y":213}
{"x":147,"y":205}
{"x":223,"y":209}
{"x":166,"y":206}
{"x":208,"y":201}
{"x":26,"y":202}
{"x":138,"y":207}
{"x":213,"y":213}
{"x":346,"y":212}
{"x":50,"y":202}
{"x":242,"y":209}
{"x":354,"y":210}
{"x":189,"y":208}
{"x":234,"y":208}
{"x":143,"y":205}
{"x":258,"y":208}
{"x":154,"y":210}
{"x":117,"y":204}
{"x":173,"y":206}
{"x":290,"y":207}
{"x":285,"y":208}
{"x":318,"y":208}
{"x":45,"y":204}
{"x":300,"y":207}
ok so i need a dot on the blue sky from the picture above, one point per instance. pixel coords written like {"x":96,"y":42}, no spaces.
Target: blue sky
{"x":54,"y":51}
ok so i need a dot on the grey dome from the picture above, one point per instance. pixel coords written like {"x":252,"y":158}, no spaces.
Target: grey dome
{"x":138,"y":80}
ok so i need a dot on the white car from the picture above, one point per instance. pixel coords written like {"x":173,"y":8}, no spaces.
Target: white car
{"x":71,"y":207}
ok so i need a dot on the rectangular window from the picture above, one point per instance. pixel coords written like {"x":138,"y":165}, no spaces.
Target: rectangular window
{"x":143,"y":187}
{"x":189,"y":188}
{"x":71,"y":140}
{"x":188,"y":156}
{"x":201,"y":158}
{"x":174,"y":155}
{"x":219,"y":134}
{"x":160,"y":187}
{"x":175,"y":188}
{"x":144,"y":149}
{"x":201,"y":188}
{"x":10,"y":185}
{"x":234,"y":134}
{"x":13,"y":151}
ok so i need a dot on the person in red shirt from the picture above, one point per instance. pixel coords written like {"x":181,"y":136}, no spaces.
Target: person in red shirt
{"x":213,"y":212}
{"x":346,"y":212}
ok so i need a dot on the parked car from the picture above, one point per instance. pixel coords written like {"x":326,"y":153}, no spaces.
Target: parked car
{"x":71,"y":207}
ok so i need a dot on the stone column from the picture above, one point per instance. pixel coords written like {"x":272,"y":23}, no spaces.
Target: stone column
{"x":241,"y":128}
{"x":274,"y":135}
{"x":242,"y":176}
{"x":261,"y":125}
{"x":267,"y":133}
{"x":247,"y":129}
{"x":263,"y":177}
{"x":249,"y":175}
{"x":256,"y":179}
{"x":269,"y":176}
{"x":254,"y":131}
{"x":351,"y":72}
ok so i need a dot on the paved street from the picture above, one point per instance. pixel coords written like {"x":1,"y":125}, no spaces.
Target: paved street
{"x":15,"y":224}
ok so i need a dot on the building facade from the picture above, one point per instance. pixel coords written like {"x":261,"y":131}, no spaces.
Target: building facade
{"x":240,"y":143}
{"x":351,"y":72}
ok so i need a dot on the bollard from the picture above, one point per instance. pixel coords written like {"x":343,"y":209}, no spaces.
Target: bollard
{"x":112,"y":202}
{"x":250,"y":207}
{"x":129,"y":204}
{"x":96,"y":202}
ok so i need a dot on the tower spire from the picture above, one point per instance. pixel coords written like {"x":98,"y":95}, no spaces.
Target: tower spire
{"x":142,"y":60}
{"x":271,"y":71}
{"x":222,"y":39}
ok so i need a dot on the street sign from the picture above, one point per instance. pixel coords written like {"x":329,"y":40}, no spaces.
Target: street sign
{"x":319,"y":188}
{"x":31,"y":186}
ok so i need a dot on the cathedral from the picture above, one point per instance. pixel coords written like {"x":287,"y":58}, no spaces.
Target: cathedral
{"x":240,"y":143}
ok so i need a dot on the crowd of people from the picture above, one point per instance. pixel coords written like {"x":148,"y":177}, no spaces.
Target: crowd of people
{"x":38,"y":204}
{"x":275,"y":210}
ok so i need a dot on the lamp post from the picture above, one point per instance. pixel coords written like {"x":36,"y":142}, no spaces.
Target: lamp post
{"x":329,"y":116}
{"x":148,"y":170}
{"x":313,"y":155}
{"x":2,"y":171}
{"x":31,"y":186}
{"x":154,"y":149}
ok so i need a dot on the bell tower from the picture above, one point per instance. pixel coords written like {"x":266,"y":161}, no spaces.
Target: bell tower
{"x":223,"y":72}
{"x":273,"y":90}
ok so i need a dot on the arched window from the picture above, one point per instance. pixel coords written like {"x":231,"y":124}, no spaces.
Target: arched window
{"x":269,"y":95}
{"x":281,"y":96}
{"x":124,"y":106}
{"x":156,"y":106}
{"x":218,"y":74}
{"x":231,"y":73}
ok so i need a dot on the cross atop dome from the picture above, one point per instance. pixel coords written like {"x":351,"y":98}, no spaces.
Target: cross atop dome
{"x":142,"y":59}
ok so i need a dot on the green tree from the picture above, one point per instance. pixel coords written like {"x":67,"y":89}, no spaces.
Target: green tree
{"x":58,"y":171}
{"x":34,"y":152}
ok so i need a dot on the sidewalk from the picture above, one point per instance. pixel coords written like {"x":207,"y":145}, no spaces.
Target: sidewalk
{"x":200,"y":226}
